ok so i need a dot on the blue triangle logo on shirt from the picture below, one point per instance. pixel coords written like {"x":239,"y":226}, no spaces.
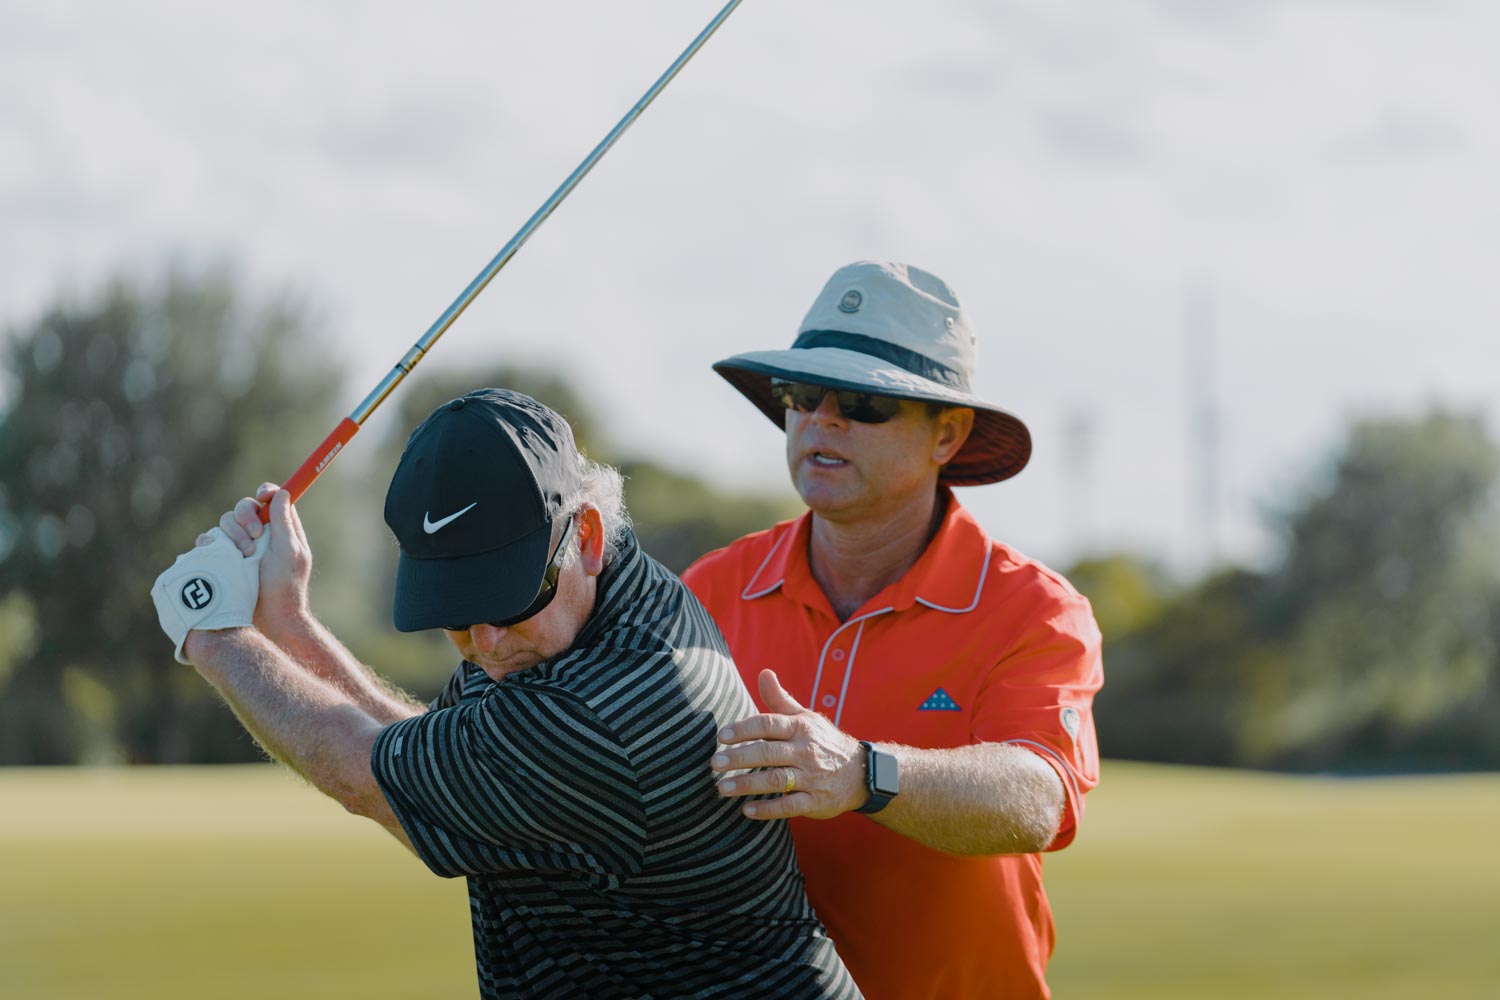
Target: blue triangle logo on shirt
{"x":939,"y":701}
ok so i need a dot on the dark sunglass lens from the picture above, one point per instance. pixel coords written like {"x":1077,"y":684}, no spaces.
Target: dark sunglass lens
{"x":537,"y":607}
{"x":807,"y":397}
{"x":797,"y":395}
{"x":865,"y":407}
{"x":868,"y":408}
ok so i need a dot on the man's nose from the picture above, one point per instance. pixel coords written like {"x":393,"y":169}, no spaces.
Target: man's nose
{"x":486,"y":637}
{"x":828,"y":406}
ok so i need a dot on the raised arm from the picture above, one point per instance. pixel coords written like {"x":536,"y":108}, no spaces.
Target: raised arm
{"x":206,"y":602}
{"x":282,"y":613}
{"x":301,"y":720}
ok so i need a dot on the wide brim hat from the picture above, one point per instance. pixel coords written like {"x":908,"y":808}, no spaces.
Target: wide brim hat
{"x":893,"y":330}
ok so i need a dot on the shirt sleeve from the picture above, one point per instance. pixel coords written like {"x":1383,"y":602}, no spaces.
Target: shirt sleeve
{"x":524,"y":779}
{"x":1040,"y":696}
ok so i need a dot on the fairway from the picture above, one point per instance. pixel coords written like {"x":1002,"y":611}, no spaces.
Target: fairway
{"x":240,"y":882}
{"x":1188,"y":882}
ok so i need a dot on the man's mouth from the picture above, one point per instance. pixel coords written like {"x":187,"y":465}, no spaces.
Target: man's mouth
{"x":825,"y":460}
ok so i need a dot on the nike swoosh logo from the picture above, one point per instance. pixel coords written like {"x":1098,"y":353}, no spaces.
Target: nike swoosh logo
{"x":432,"y":527}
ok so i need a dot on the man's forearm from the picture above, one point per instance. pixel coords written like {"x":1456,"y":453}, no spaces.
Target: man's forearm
{"x":303,"y":721}
{"x":310,"y":644}
{"x":991,"y":798}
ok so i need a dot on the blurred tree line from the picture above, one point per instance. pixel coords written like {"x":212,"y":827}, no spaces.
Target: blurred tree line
{"x":131,"y":419}
{"x":1370,"y":643}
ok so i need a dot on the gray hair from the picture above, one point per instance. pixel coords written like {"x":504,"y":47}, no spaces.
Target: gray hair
{"x":603,"y":488}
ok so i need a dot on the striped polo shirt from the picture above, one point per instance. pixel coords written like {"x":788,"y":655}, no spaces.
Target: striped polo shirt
{"x":577,"y":799}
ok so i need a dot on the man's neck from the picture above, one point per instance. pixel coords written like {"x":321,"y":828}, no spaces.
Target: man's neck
{"x":854,"y":560}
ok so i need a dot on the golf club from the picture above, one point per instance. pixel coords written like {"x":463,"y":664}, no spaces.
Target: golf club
{"x":349,"y":426}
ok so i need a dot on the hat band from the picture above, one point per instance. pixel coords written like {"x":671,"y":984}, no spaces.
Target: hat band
{"x":917,"y":364}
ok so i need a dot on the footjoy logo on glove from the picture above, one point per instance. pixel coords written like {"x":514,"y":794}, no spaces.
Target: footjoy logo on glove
{"x":197,"y":594}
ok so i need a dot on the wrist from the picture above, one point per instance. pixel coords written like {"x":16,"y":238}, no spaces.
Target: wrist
{"x":881,"y":779}
{"x":286,"y":623}
{"x":200,"y":645}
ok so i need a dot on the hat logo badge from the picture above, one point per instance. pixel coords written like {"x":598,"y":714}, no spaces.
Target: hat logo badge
{"x":851,"y":301}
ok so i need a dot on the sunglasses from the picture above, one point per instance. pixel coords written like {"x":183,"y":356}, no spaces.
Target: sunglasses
{"x":864,"y":407}
{"x":545,"y":592}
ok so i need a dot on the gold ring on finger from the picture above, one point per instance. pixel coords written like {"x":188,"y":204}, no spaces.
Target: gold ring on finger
{"x":791,"y":781}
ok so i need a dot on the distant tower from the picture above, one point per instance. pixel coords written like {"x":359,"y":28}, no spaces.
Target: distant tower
{"x":1200,"y":365}
{"x":1079,"y":428}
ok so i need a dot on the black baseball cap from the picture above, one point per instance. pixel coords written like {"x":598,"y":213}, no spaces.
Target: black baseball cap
{"x":472,"y":505}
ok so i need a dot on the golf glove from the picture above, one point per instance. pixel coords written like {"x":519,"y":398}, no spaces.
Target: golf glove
{"x":209,"y":587}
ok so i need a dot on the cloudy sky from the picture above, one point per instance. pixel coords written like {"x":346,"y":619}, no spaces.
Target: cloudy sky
{"x":1286,"y":211}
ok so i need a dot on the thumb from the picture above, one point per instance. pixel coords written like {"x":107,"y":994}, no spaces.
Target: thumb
{"x":283,"y":529}
{"x":775,"y":696}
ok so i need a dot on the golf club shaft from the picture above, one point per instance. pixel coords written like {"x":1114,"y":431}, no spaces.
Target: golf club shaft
{"x":350,"y":425}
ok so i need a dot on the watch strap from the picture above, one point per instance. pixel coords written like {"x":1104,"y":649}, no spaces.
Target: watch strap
{"x":881,"y":793}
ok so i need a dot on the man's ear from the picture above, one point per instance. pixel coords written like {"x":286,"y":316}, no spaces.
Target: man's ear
{"x":590,"y":539}
{"x":954,"y":425}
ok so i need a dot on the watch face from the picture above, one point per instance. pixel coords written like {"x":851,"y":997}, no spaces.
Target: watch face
{"x":883,"y":780}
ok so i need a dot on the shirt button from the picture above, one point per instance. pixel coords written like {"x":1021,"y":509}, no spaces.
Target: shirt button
{"x":838,"y":654}
{"x":829,"y":701}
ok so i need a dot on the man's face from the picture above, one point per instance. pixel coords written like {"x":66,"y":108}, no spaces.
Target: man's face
{"x":502,"y":650}
{"x":846,"y":470}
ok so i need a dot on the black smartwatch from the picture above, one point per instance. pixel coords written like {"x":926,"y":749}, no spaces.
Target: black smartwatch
{"x":880,"y":779}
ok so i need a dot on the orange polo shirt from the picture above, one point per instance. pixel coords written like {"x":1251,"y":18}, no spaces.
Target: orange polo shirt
{"x":974,"y":644}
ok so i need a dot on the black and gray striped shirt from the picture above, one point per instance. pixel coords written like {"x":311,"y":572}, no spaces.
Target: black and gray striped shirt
{"x":577,"y":798}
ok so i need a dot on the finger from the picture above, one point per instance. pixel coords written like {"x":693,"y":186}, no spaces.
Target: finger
{"x":783,"y":807}
{"x":748,"y":755}
{"x":284,"y":531}
{"x":241,"y":524}
{"x":771,"y":781}
{"x":759,"y":727}
{"x":267,"y":491}
{"x":775,"y":697}
{"x":297,"y":524}
{"x":247,"y":513}
{"x":236,"y":532}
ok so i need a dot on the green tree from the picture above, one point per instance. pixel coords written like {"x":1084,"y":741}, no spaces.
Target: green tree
{"x":1371,"y":642}
{"x":1126,"y":593}
{"x":1385,"y":602}
{"x":129,"y":424}
{"x":1174,"y":686}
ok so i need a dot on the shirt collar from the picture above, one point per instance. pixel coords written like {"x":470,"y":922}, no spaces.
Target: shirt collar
{"x":949,"y":575}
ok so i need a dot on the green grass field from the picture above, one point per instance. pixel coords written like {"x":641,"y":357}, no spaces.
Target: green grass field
{"x":240,"y":882}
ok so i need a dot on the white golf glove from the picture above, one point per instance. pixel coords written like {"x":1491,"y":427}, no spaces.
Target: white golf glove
{"x":209,"y":587}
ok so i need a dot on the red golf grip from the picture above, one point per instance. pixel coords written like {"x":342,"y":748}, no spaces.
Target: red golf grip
{"x":316,"y":463}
